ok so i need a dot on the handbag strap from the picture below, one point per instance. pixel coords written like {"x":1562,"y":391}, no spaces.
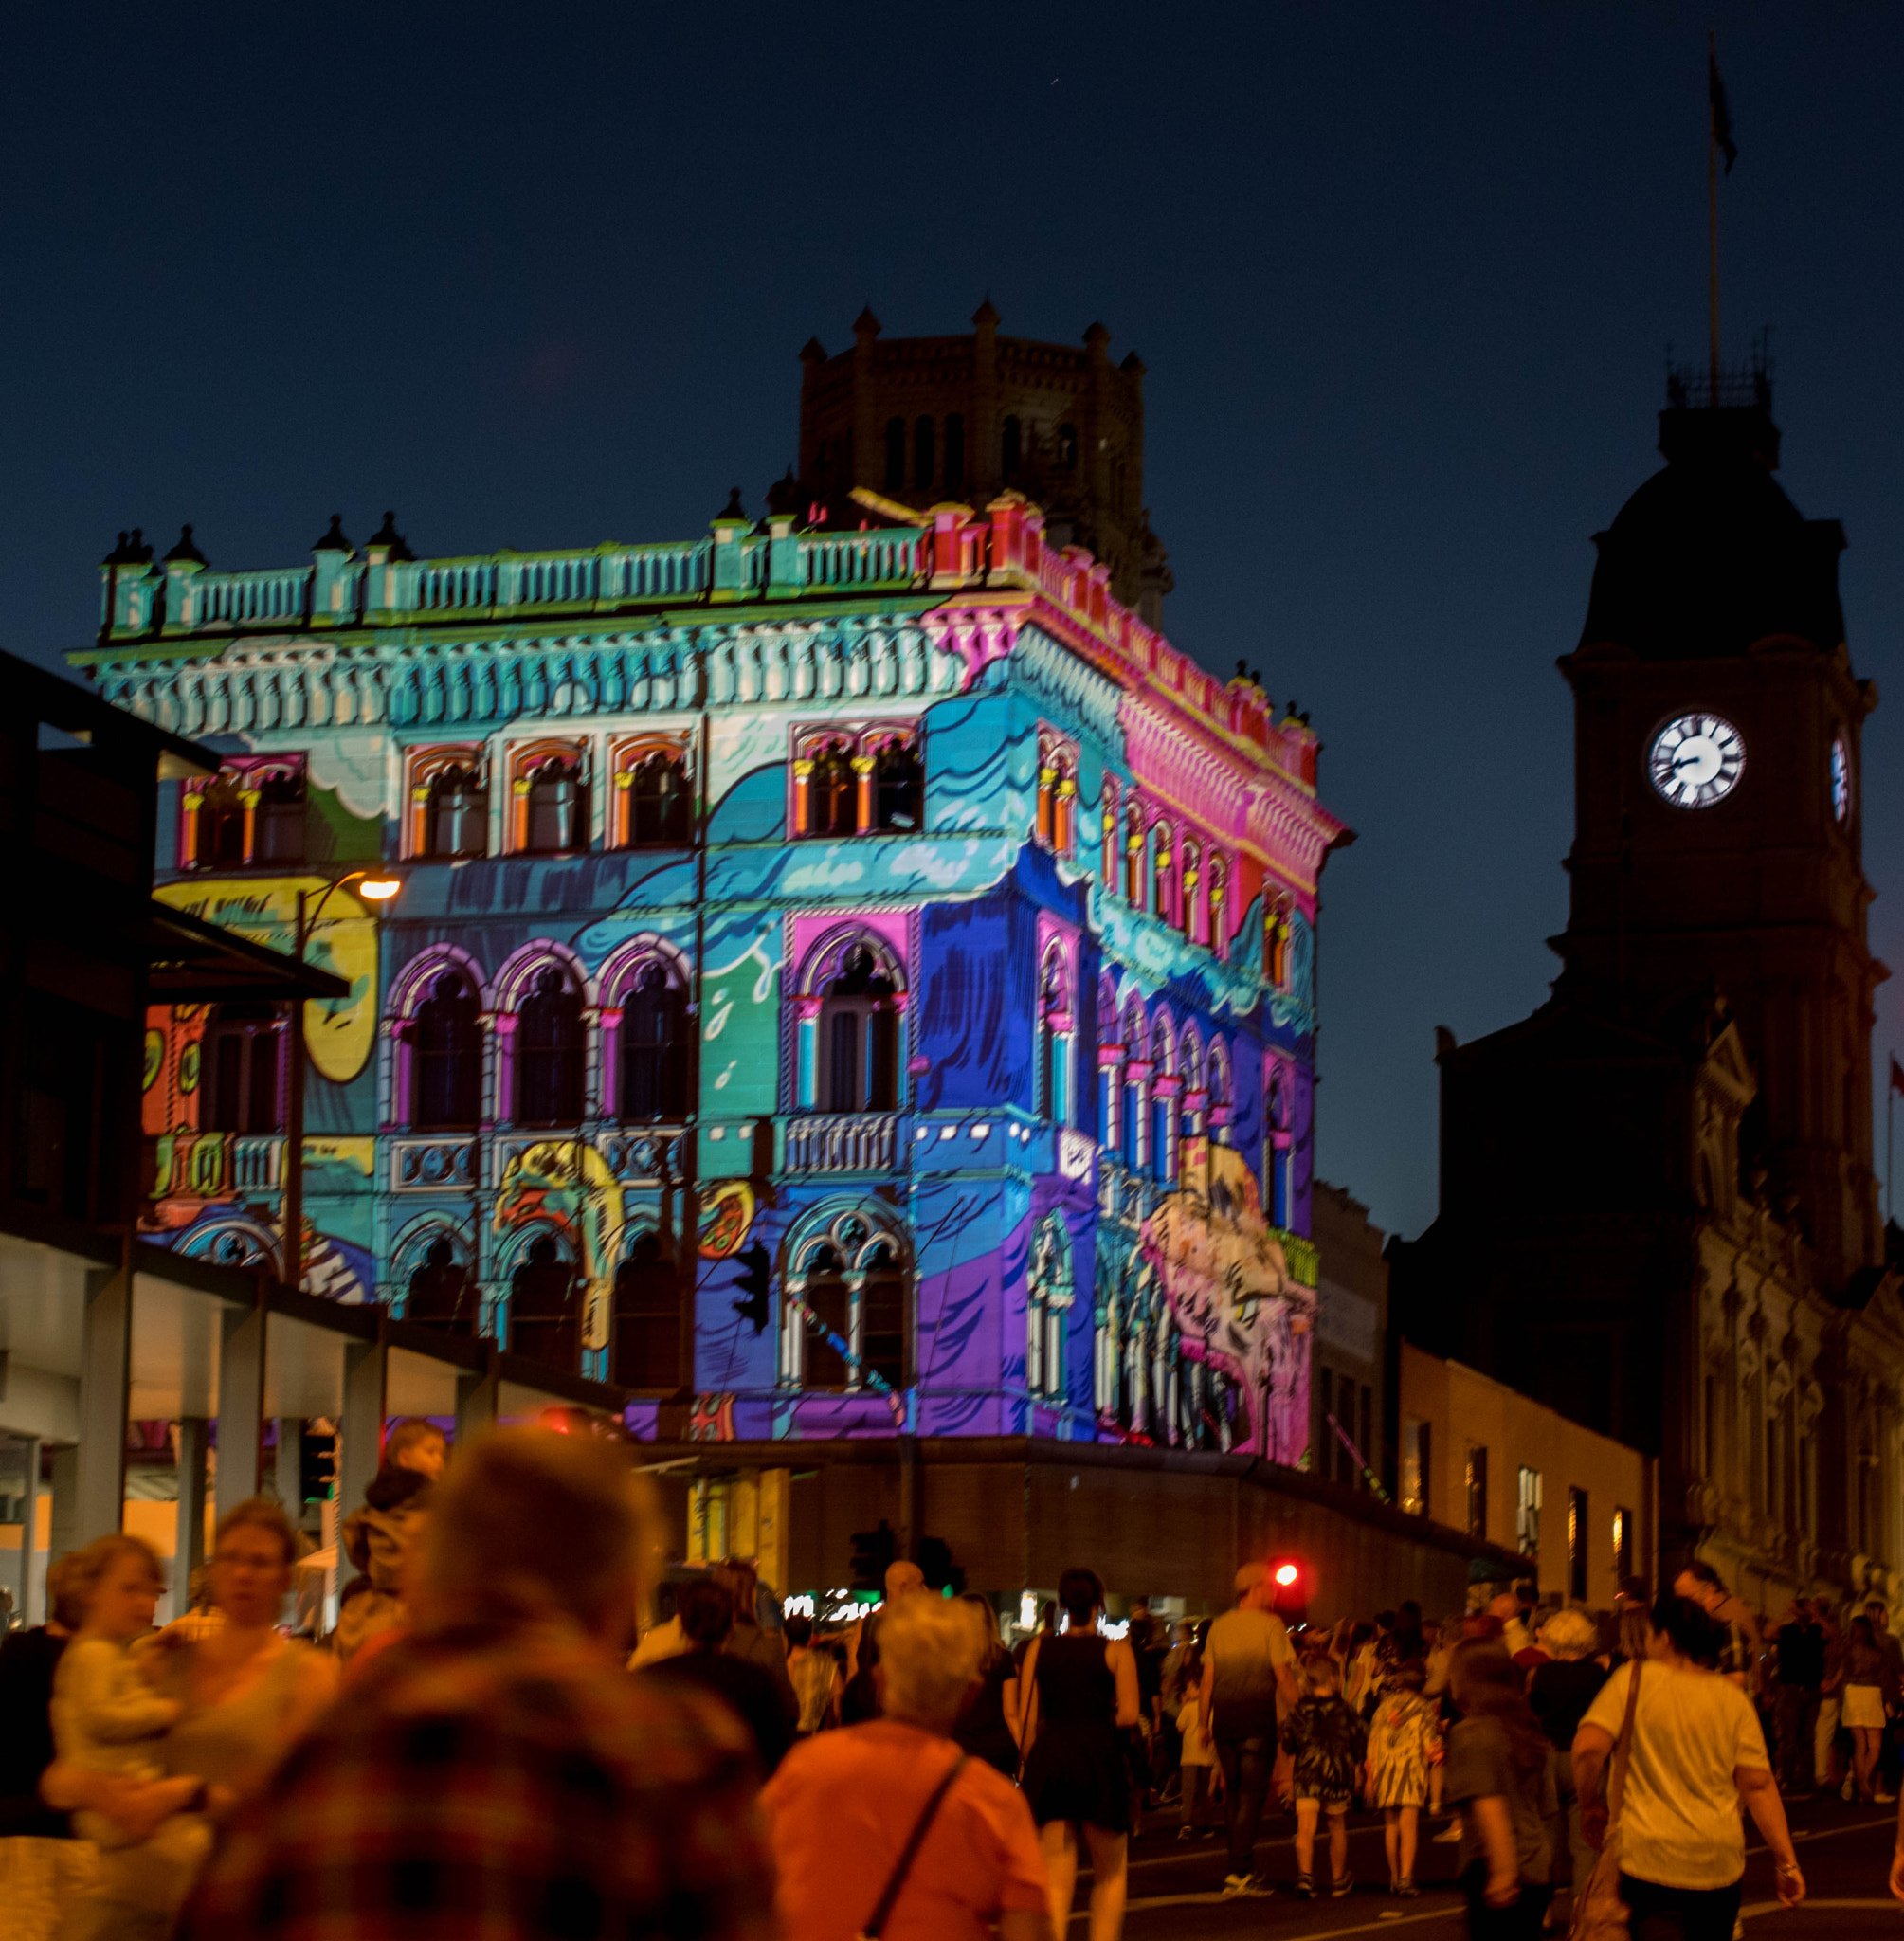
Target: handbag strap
{"x":876,"y":1921}
{"x":1623,"y":1750}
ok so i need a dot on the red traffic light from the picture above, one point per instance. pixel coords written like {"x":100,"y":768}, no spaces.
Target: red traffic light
{"x":1286,"y":1574}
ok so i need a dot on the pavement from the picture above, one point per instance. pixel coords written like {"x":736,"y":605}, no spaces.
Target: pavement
{"x":1845,"y":1853}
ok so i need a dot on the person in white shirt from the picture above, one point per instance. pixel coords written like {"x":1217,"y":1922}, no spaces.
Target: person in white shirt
{"x":1698,"y":1752}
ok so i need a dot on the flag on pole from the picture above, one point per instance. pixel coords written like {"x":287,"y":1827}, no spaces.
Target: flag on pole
{"x":1896,"y":1074}
{"x":1722,"y":116}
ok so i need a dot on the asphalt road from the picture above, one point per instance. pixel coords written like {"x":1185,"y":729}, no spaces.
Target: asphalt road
{"x":1845,"y":1852}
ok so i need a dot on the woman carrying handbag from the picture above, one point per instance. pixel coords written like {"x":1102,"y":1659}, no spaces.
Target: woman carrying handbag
{"x":1687,"y":1749}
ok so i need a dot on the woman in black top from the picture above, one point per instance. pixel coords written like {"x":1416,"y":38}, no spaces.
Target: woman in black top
{"x":1079,"y":1695}
{"x":706,"y":1612}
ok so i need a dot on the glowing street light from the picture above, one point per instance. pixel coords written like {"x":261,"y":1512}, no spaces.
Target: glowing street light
{"x":379,"y":889}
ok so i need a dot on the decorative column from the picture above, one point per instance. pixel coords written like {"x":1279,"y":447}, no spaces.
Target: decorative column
{"x":419,"y":819}
{"x":190,"y":804}
{"x":248,"y":800}
{"x":803,"y":782}
{"x":863,"y":795}
{"x":1047,"y":779}
{"x":518,"y":815}
{"x":1065,"y":833}
{"x":1191,"y":878}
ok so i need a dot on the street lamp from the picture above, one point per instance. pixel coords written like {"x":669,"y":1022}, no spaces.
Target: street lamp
{"x":375,"y":886}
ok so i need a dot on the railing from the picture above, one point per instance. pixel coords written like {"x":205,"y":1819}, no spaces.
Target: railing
{"x":662,"y":572}
{"x":456,"y":584}
{"x":213,"y":1166}
{"x":238,"y":599}
{"x":545,"y":581}
{"x":842,"y":1142}
{"x":859,"y":559}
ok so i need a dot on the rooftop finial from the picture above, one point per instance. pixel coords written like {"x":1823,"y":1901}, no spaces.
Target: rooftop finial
{"x":333,"y":540}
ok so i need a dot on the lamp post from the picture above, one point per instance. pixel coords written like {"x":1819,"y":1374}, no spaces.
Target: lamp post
{"x":375,"y":887}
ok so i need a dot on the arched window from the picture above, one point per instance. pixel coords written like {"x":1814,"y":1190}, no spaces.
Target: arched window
{"x":221,"y":824}
{"x":545,"y":1308}
{"x":1189,"y":878}
{"x":280,"y":834}
{"x":456,"y":814}
{"x":446,"y":1057}
{"x":442,"y":1293}
{"x":653,"y":1047}
{"x":896,"y":454}
{"x":1054,"y":1041}
{"x":647,"y":1317}
{"x":830,"y":1305}
{"x":239,"y":1064}
{"x":899,"y":787}
{"x":832,"y":806}
{"x":954,"y":452}
{"x":922,"y":454}
{"x":1219,"y":902}
{"x":1163,"y":1108}
{"x":848,"y":1288}
{"x":1275,"y":1147}
{"x":883,"y":1317}
{"x":859,"y":1039}
{"x":1013,"y":455}
{"x":1220,"y":1092}
{"x":1136,"y":1091}
{"x":558,"y":817}
{"x":1164,"y":876}
{"x":1275,"y":946}
{"x":550,"y":1050}
{"x":1047,"y":1299}
{"x":657,"y":802}
{"x":1134,"y":859}
{"x":1067,"y":447}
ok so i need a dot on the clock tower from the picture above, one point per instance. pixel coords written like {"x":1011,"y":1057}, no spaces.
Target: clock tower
{"x":1658,"y":1212}
{"x":1717,"y":817}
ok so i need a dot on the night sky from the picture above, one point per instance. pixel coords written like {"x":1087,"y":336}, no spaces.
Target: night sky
{"x":1404,"y":277}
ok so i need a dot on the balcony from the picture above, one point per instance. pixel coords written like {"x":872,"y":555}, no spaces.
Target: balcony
{"x":842,"y":1142}
{"x":213,"y":1166}
{"x":432,"y":1163}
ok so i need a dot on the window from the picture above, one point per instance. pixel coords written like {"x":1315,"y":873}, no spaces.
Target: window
{"x":830,"y":792}
{"x":278,"y":832}
{"x":954,"y":452}
{"x":647,"y":1317}
{"x":549,"y":1052}
{"x":1276,"y":947}
{"x":446,"y":1057}
{"x":1163,"y":1127}
{"x":654,"y":1046}
{"x":1219,"y":906}
{"x":1048,"y":1298}
{"x":221,"y":824}
{"x":846,"y":1321}
{"x":1108,"y":832}
{"x":1527,"y":1513}
{"x":1622,"y":1545}
{"x":442,"y":1294}
{"x":545,"y":1308}
{"x":1057,"y":825}
{"x":456,"y":814}
{"x":1275,"y":1149}
{"x":896,"y":454}
{"x":1163,"y":876}
{"x":1054,"y":1041}
{"x":555,"y":816}
{"x":1067,"y":447}
{"x":1415,"y":1445}
{"x":1013,"y":454}
{"x":239,"y":1067}
{"x":658,"y":810}
{"x":899,"y":787}
{"x":1188,"y":876}
{"x":859,"y":1039}
{"x":922,"y":454}
{"x":1477,"y":1492}
{"x":1576,"y":1545}
{"x":1134,"y":860}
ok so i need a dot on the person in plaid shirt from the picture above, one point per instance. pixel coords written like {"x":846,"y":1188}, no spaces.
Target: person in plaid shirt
{"x":497,"y":1775}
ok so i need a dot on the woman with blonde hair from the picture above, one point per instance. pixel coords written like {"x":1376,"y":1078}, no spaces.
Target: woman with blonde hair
{"x":1560,"y":1691}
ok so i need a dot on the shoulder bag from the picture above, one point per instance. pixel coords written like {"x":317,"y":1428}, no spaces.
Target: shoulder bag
{"x":883,"y":1908}
{"x":1599,"y":1914}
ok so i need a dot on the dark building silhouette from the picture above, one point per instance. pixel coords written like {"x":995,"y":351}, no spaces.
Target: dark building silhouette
{"x":923,"y":421}
{"x":1657,"y":1211}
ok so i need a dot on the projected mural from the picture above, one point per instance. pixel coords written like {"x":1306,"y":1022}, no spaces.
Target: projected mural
{"x":842,"y":980}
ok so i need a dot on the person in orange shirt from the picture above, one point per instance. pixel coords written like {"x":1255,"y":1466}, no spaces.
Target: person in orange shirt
{"x":845,"y":1806}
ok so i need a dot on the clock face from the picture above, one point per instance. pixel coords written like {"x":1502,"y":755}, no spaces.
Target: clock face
{"x":1840,"y":780}
{"x":1696,"y":759}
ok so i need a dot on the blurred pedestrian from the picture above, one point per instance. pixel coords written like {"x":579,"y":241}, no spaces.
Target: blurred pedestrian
{"x":1249,"y":1668}
{"x":1697,"y":1752}
{"x":892,"y":1816}
{"x":377,"y":1536}
{"x":706,"y":1612}
{"x":1326,"y":1741}
{"x":1867,"y":1704}
{"x":1405,"y":1746}
{"x":983,"y":1729}
{"x":1080,"y":1696}
{"x":814,"y":1676}
{"x":1559,"y":1691}
{"x":496,"y":1771}
{"x":1198,"y":1759}
{"x":860,"y":1699}
{"x":1798,"y":1678}
{"x":1499,"y":1776}
{"x":1741,"y":1644}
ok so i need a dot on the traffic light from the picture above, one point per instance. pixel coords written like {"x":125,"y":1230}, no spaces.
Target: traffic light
{"x":941,"y":1572}
{"x":317,"y":1465}
{"x":873,"y":1550}
{"x":1289,"y":1578}
{"x":756,"y":1269}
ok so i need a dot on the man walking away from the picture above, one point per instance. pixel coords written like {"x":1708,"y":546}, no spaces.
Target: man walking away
{"x":1249,"y":1662}
{"x":496,"y":1771}
{"x":1801,"y":1673}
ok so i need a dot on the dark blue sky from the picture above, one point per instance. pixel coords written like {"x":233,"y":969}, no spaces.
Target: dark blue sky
{"x":1403,"y":276}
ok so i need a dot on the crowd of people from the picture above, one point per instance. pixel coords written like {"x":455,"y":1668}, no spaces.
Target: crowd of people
{"x":497,"y":1739}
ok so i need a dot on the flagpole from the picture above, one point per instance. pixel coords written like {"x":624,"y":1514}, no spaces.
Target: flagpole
{"x":1712,"y":221}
